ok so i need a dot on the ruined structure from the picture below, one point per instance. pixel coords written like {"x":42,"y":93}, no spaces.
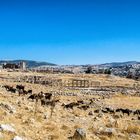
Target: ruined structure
{"x":10,"y":66}
{"x":21,"y":65}
{"x":72,"y":83}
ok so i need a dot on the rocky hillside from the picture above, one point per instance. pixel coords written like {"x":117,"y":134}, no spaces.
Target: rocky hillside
{"x":119,"y":64}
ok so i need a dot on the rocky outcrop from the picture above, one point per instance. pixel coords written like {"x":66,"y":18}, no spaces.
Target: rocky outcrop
{"x":80,"y":134}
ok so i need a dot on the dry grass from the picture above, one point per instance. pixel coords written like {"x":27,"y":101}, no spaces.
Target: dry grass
{"x":122,"y":101}
{"x":63,"y":122}
{"x":133,"y":128}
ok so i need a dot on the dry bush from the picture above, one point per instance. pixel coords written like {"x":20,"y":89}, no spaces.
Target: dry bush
{"x":133,"y":129}
{"x":53,"y":137}
{"x":64,"y":127}
{"x":77,"y":126}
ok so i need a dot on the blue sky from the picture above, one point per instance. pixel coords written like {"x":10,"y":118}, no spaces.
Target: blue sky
{"x":70,"y":31}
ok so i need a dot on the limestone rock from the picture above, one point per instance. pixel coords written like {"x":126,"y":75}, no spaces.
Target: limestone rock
{"x":7,"y":127}
{"x":108,"y":131}
{"x":80,"y":134}
{"x":17,"y":138}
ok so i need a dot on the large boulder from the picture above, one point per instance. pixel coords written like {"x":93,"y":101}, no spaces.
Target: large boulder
{"x":80,"y":134}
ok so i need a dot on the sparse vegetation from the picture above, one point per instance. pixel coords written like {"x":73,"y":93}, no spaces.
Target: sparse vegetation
{"x":94,"y":113}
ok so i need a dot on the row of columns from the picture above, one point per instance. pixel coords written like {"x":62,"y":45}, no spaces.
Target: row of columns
{"x":81,"y":83}
{"x":63,"y":83}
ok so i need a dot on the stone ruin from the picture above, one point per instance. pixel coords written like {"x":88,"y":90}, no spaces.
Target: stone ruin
{"x":73,"y":83}
{"x":21,"y":65}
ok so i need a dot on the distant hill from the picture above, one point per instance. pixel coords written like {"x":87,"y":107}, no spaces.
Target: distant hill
{"x":30,"y":63}
{"x":118,"y":64}
{"x":35,"y":64}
